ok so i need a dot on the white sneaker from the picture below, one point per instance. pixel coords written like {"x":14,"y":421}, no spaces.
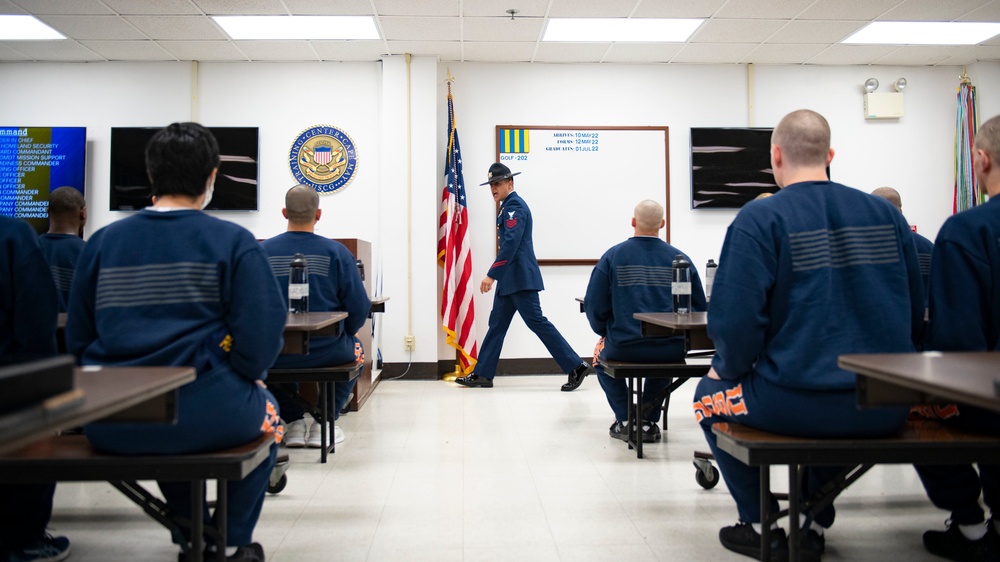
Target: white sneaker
{"x":295,"y":434}
{"x":338,"y":435}
{"x":315,"y":439}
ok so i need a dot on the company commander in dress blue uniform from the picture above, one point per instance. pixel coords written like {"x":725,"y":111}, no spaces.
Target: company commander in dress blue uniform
{"x":520,"y":280}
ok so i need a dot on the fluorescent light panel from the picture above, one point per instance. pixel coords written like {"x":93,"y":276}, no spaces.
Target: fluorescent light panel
{"x":924,"y":33}
{"x":26,"y":28}
{"x":298,"y":27}
{"x":647,"y":30}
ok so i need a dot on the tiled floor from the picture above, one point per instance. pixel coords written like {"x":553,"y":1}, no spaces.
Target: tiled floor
{"x":522,"y":471}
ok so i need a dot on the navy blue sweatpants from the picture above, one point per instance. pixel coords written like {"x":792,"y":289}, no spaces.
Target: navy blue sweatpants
{"x":526,"y":304}
{"x":757,"y":403}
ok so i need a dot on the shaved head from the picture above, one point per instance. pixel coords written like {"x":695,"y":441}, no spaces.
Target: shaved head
{"x":301,"y":203}
{"x":65,"y":200}
{"x":890,"y":195}
{"x":988,"y":137}
{"x":648,"y":217}
{"x":804,"y":138}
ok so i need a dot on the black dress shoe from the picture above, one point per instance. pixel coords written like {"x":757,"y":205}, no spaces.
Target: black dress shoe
{"x":475,"y":381}
{"x":576,"y":377}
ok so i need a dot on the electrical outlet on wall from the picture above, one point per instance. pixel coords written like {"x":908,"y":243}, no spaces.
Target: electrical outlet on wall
{"x":408,"y":343}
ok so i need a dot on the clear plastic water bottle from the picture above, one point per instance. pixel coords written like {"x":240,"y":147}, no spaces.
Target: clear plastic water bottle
{"x":681,"y":285}
{"x":710,"y":268}
{"x":298,"y":285}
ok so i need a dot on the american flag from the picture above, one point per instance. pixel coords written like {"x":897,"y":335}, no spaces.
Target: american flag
{"x":458,"y":317}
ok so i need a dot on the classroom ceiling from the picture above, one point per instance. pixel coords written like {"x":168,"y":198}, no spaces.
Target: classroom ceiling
{"x":736,"y":31}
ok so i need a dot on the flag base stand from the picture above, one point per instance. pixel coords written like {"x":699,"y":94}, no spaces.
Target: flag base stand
{"x":450,"y":377}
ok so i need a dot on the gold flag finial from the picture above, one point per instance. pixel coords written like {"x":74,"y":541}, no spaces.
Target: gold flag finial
{"x":964,"y":77}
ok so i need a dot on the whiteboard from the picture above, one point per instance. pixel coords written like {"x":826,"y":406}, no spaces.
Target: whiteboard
{"x":623,"y":164}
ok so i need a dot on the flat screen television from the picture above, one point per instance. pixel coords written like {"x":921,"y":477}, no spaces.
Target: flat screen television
{"x":235,"y":184}
{"x":33,"y":162}
{"x":730,"y":166}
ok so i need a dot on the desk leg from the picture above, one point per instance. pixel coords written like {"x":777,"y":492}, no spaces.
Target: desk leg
{"x":630,"y":417}
{"x":765,"y":512}
{"x":325,"y":400}
{"x":638,"y":417}
{"x":794,"y":485}
{"x":222,"y":517}
{"x":197,"y":520}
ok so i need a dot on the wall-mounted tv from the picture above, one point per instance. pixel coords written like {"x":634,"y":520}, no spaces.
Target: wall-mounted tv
{"x":729,"y":166}
{"x":33,"y":162}
{"x":235,"y":184}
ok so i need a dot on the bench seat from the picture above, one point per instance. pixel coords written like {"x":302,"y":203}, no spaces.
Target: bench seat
{"x":920,"y":442}
{"x":72,"y":458}
{"x":691,"y":367}
{"x":325,"y":376}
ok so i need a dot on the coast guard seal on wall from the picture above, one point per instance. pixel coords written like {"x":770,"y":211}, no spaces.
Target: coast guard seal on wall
{"x":323,"y":157}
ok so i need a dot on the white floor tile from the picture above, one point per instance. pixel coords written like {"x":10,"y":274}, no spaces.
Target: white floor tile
{"x":433,"y":471}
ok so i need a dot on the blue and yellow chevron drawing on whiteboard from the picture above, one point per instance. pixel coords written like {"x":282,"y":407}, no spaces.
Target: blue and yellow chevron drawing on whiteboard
{"x":514,"y":141}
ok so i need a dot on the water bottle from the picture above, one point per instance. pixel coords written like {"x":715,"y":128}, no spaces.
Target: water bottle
{"x":298,"y":285}
{"x":681,"y":285}
{"x":709,"y":279}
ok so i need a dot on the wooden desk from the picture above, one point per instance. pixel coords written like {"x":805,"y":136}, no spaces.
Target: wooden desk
{"x":130,"y":393}
{"x":378,"y":305}
{"x":300,"y":327}
{"x":905,"y":379}
{"x":693,"y":326}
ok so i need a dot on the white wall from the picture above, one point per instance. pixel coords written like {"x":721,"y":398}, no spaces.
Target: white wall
{"x":913,"y":154}
{"x":393,"y":199}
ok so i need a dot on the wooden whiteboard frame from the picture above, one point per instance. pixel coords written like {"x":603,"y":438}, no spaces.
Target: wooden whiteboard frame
{"x":666,"y":168}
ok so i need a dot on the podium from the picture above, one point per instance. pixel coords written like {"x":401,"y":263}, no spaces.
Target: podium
{"x":362,"y":250}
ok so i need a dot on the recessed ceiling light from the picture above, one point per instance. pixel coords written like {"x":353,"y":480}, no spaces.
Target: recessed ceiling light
{"x":298,"y":27}
{"x":924,"y":33}
{"x":26,"y":28}
{"x":650,"y":30}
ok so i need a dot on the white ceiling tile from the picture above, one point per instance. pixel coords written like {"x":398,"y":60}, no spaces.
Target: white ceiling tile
{"x":501,"y":29}
{"x":988,"y":12}
{"x":492,"y":8}
{"x":851,"y":54}
{"x":686,"y":9}
{"x":815,"y":31}
{"x":847,"y":10}
{"x":421,"y":29}
{"x":591,"y":8}
{"x":203,"y":50}
{"x":242,"y":7}
{"x":140,"y":7}
{"x":413,"y":8}
{"x":65,"y":50}
{"x":349,"y":50}
{"x":9,"y":54}
{"x":571,"y":52}
{"x":930,"y":10}
{"x":736,"y":31}
{"x":7,"y":8}
{"x":497,"y":52}
{"x":67,"y":7}
{"x":974,"y":54}
{"x":277,"y":50}
{"x":920,"y":55}
{"x":642,"y":52}
{"x":129,"y":50}
{"x":713,"y":53}
{"x":783,"y":54}
{"x":178,"y":28}
{"x":339,"y":8}
{"x":446,"y":50}
{"x":94,"y":27}
{"x":762,"y":9}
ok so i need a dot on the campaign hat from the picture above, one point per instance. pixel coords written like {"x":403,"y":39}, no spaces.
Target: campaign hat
{"x":498,"y":172}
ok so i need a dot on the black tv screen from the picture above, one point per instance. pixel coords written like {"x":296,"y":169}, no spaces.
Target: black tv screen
{"x":235,"y":184}
{"x":33,"y":162}
{"x":730,"y":166}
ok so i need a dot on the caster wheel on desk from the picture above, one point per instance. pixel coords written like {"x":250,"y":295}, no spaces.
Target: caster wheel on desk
{"x":706,"y":475}
{"x":278,"y":479}
{"x":278,"y":486}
